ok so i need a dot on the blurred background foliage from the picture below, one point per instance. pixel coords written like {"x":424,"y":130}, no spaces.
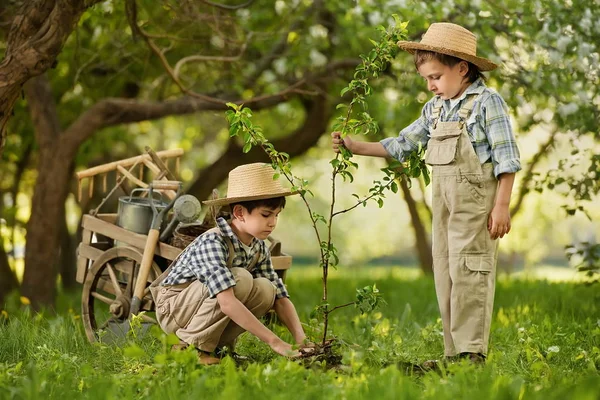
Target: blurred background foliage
{"x":288,"y":60}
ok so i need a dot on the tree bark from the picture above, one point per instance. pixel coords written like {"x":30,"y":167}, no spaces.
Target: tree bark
{"x":8,"y":280}
{"x":49,"y":196}
{"x":422,"y":243}
{"x":67,"y":266}
{"x":38,"y":32}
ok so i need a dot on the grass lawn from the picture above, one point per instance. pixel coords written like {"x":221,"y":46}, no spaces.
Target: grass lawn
{"x":545,"y":344}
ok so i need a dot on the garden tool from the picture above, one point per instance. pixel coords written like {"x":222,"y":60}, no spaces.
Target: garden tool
{"x":148,"y":255}
{"x":187,"y":209}
{"x":118,"y":330}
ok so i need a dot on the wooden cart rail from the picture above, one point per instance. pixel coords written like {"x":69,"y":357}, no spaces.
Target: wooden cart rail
{"x":105,"y":225}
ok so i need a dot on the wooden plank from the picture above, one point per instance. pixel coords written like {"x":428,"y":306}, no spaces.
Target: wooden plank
{"x":131,"y":238}
{"x":110,"y":218}
{"x":126,"y":163}
{"x":89,"y":252}
{"x":281,"y":262}
{"x":82,"y":261}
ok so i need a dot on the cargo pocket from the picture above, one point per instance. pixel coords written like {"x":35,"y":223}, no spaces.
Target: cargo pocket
{"x":476,"y":187}
{"x":442,"y":148}
{"x":162,"y":306}
{"x":483,"y":265}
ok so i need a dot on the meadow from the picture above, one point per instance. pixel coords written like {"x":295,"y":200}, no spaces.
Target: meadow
{"x":545,"y":345}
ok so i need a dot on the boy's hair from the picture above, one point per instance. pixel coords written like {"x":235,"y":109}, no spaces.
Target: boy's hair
{"x":422,"y":56}
{"x":272,"y":203}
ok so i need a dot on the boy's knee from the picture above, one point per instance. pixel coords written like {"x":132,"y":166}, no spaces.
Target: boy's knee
{"x":265,"y":293}
{"x":243,"y":283}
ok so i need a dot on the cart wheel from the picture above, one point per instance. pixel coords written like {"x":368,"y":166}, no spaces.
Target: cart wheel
{"x":108,"y":289}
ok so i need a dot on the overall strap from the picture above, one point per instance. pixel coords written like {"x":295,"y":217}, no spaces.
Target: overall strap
{"x":437,"y":109}
{"x":467,"y":107}
{"x":250,"y":267}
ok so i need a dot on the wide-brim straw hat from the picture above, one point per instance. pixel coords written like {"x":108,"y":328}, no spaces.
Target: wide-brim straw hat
{"x":251,"y":182}
{"x":452,"y":40}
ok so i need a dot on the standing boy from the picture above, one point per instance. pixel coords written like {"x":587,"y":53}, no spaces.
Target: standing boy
{"x":474,"y":156}
{"x":224,"y":281}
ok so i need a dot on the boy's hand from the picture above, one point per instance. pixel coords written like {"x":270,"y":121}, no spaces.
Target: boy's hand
{"x":338,"y":141}
{"x":284,"y":349}
{"x":499,"y":221}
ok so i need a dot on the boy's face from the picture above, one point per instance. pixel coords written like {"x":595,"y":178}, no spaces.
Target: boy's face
{"x":447,"y":82}
{"x":260,"y":222}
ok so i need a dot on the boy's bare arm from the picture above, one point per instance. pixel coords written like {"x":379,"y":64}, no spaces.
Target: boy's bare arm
{"x":234,"y":309}
{"x":499,"y":220}
{"x":287,"y":313}
{"x":374,"y":149}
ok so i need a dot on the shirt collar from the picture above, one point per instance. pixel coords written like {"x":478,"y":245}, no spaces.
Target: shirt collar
{"x":476,"y":87}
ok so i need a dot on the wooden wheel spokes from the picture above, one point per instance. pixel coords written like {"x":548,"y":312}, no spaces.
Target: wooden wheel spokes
{"x":108,"y":289}
{"x":113,"y":279}
{"x":102,"y":298}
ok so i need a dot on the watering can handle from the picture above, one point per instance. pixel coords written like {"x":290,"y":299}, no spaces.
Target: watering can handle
{"x":150,"y":194}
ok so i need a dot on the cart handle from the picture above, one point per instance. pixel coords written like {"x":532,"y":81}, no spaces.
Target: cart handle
{"x":167,"y":185}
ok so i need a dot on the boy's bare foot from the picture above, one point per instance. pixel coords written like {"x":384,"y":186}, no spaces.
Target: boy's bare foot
{"x":179,"y":346}
{"x":205,"y":358}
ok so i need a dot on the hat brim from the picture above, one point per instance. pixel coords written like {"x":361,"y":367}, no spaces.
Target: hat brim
{"x":229,"y":200}
{"x":482,"y":63}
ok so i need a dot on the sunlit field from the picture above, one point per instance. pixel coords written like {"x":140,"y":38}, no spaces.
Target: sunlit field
{"x":545,"y":344}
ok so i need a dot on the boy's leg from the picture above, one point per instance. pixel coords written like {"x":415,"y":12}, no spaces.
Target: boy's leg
{"x":472,"y":264}
{"x":259,"y":302}
{"x":441,"y":272}
{"x":199,"y":318}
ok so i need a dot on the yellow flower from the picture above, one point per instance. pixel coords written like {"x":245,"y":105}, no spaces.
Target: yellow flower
{"x":25,"y":301}
{"x":4,"y":314}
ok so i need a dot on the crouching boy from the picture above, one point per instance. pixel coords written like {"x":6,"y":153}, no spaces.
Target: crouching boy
{"x":224,"y":281}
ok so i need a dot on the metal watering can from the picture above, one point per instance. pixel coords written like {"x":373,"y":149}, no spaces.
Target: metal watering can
{"x":135,"y":214}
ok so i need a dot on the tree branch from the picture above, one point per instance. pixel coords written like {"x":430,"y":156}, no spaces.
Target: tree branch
{"x":524,"y":189}
{"x":228,"y":7}
{"x":280,"y":46}
{"x":116,"y":111}
{"x":39,"y":30}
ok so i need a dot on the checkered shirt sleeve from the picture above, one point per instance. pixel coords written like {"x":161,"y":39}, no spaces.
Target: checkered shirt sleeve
{"x":409,"y":138}
{"x":264,"y":268}
{"x":504,"y":151}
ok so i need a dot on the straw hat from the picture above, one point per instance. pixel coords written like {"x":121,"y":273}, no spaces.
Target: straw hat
{"x":251,"y":182}
{"x":452,"y":40}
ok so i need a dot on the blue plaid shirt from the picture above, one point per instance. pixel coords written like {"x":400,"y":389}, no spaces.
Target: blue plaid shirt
{"x":488,"y":127}
{"x":206,"y":260}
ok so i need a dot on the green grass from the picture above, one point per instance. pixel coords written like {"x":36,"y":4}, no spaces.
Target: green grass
{"x":545,"y":345}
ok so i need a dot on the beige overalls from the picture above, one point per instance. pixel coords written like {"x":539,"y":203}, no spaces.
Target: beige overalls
{"x":464,"y":255}
{"x":189,"y":312}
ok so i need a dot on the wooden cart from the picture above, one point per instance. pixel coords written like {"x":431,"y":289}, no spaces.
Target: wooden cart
{"x":109,"y":260}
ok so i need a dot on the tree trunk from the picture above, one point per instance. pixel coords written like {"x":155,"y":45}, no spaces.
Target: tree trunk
{"x":68,"y":260}
{"x":44,"y":228}
{"x":49,"y":196}
{"x":421,"y":238}
{"x":37,"y":34}
{"x":8,"y":280}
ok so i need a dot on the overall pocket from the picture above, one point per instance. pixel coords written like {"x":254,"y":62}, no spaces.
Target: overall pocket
{"x":442,"y":148}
